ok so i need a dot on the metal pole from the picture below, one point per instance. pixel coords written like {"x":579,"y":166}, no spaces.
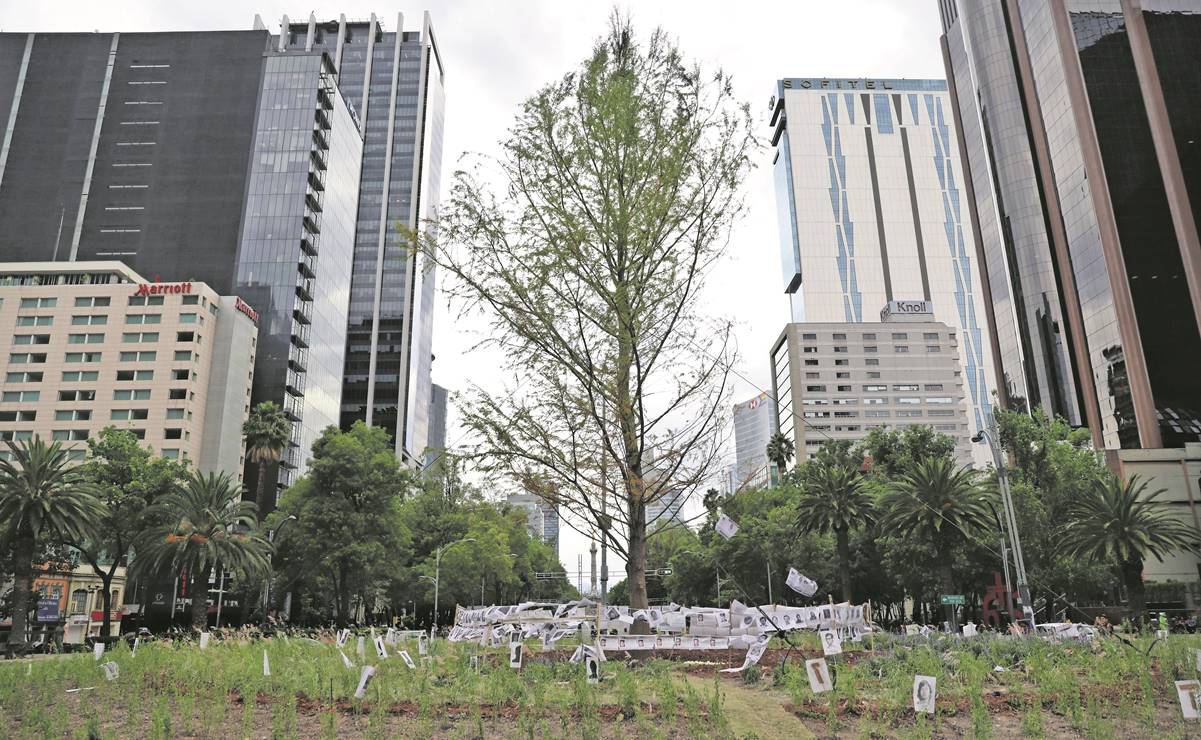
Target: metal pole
{"x":1019,"y":561}
{"x":767,"y":563}
{"x":220,"y":595}
{"x":437,"y":579}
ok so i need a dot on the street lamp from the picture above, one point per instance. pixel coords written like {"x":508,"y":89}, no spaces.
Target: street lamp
{"x":437,"y":578}
{"x":1019,"y":561}
{"x":270,"y":567}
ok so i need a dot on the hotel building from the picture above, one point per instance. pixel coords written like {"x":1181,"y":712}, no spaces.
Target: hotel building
{"x":89,"y":345}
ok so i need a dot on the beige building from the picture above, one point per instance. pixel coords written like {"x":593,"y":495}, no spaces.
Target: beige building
{"x":841,"y":380}
{"x":94,"y":344}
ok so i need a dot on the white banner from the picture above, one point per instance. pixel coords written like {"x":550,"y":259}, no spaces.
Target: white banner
{"x":799,"y":583}
{"x":753,"y":654}
{"x":726,"y":526}
{"x":608,"y":643}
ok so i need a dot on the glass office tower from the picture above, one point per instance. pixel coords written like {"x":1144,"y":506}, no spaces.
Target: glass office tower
{"x":1081,"y":128}
{"x":394,"y":81}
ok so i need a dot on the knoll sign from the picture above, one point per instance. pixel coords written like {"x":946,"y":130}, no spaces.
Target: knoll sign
{"x":894,"y":308}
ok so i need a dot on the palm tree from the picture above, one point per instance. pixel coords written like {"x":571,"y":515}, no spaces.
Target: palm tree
{"x":42,"y":498}
{"x":940,"y":503}
{"x":203,"y":524}
{"x":267,"y":432}
{"x":834,"y":498}
{"x":779,"y":451}
{"x":1121,"y":523}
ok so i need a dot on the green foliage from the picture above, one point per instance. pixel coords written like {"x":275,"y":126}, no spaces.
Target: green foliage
{"x":835,"y":499}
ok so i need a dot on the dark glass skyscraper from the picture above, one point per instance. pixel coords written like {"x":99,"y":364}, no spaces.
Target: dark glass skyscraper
{"x":206,"y":156}
{"x":394,"y":81}
{"x":1082,"y":135}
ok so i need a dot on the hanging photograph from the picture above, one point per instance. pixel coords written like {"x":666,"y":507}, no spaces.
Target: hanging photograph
{"x":726,"y":526}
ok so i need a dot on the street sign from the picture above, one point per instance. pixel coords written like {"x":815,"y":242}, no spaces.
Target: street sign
{"x":952,"y":600}
{"x":48,"y":610}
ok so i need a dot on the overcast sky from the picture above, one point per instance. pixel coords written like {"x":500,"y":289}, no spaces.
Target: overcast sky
{"x":497,"y":53}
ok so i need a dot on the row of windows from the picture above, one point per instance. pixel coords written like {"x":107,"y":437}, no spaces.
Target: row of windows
{"x":87,"y":394}
{"x":895,"y":387}
{"x":39,"y":358}
{"x":899,"y":349}
{"x":144,"y":337}
{"x":80,"y":435}
{"x":86,"y":414}
{"x":102,"y":301}
{"x":876,"y":401}
{"x":871,"y":337}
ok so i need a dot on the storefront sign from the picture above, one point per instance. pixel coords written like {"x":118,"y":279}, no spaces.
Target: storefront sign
{"x":48,"y":610}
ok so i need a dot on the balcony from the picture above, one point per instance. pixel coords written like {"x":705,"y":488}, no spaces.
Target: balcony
{"x":312,"y":199}
{"x":311,"y":225}
{"x":304,"y":287}
{"x":302,"y":311}
{"x":294,"y":385}
{"x":316,"y":182}
{"x":325,"y":99}
{"x":308,"y":245}
{"x":293,"y":407}
{"x":298,"y":358}
{"x":322,"y":119}
{"x":300,"y":335}
{"x":321,"y":138}
{"x":307,"y":266}
{"x":318,"y":159}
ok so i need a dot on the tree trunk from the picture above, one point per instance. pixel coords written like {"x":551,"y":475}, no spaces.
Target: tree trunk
{"x":343,"y":595}
{"x":260,"y":497}
{"x":842,"y":537}
{"x":948,"y":587}
{"x":106,"y":598}
{"x":22,"y":584}
{"x":1132,"y":576}
{"x":636,"y":563}
{"x":200,"y":598}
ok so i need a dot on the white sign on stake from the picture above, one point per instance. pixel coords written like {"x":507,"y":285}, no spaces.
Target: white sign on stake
{"x":1186,"y":692}
{"x":515,"y":655}
{"x":266,"y":665}
{"x":404,"y":655}
{"x":343,"y":636}
{"x":364,"y":679}
{"x":111,"y":670}
{"x":831,"y":645}
{"x":924,"y":690}
{"x":345,"y":661}
{"x":726,"y":526}
{"x":592,"y":669}
{"x":423,"y":645}
{"x":361,"y":647}
{"x":97,"y":650}
{"x":134,"y":654}
{"x":1198,"y":652}
{"x":204,"y":640}
{"x":819,"y":675}
{"x":380,"y":650}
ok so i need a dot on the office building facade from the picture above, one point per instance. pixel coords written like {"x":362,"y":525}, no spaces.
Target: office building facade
{"x":1080,"y":126}
{"x":436,"y":442}
{"x":753,"y":427}
{"x":839,"y":380}
{"x":542,"y":518}
{"x":394,"y":80}
{"x":872,"y":210}
{"x":94,"y":344}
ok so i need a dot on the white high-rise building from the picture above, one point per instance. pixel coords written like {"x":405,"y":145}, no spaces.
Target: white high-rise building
{"x":752,"y":432}
{"x":872,"y":210}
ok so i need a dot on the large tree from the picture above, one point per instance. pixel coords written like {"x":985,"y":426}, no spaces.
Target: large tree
{"x":200,"y":525}
{"x":835,"y":498}
{"x":267,"y":432}
{"x":1121,"y":524}
{"x":937,"y":503}
{"x":43,"y":499}
{"x":128,"y":479}
{"x":619,"y":184}
{"x":348,"y":534}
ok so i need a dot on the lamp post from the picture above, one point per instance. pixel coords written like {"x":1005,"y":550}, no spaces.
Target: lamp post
{"x":270,"y":567}
{"x":989,"y":435}
{"x":1004,"y":555}
{"x":437,"y":578}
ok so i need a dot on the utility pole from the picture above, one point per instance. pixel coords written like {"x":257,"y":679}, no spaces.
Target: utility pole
{"x":592,"y":583}
{"x":1019,"y":561}
{"x":767,"y":564}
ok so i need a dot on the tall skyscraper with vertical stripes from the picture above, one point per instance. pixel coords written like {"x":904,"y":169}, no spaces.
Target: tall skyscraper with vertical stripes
{"x":872,"y":210}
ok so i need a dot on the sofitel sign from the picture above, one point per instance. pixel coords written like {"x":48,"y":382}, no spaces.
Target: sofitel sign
{"x":906,"y":308}
{"x":828,"y":84}
{"x":164,"y":289}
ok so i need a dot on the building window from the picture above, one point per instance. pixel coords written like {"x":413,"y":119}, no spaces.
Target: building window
{"x":870,"y":349}
{"x":77,"y":376}
{"x":39,"y":302}
{"x":869,"y":337}
{"x":902,"y":337}
{"x":186,"y":336}
{"x":130,"y":414}
{"x":23,"y":377}
{"x":872,"y":375}
{"x":844,"y":389}
{"x":178,"y":394}
{"x":876,"y":414}
{"x":874,"y":401}
{"x":98,"y":301}
{"x":840,"y":337}
{"x":144,"y":318}
{"x":146,"y":300}
{"x":940,"y":412}
{"x":132,"y":394}
{"x":70,"y":435}
{"x":933,"y":348}
{"x":842,"y":363}
{"x":909,"y":413}
{"x":27,"y":358}
{"x":812,"y":376}
{"x":35,"y":320}
{"x":840,"y":350}
{"x":31,"y":339}
{"x":933,"y":386}
{"x":901,"y":349}
{"x":809,"y":336}
{"x":174,"y":413}
{"x":809,"y":350}
{"x":123,"y":375}
{"x":930,"y":335}
{"x":846,"y":414}
{"x":187,"y":318}
{"x":183,"y":355}
{"x":842,"y":376}
{"x":872,"y":361}
{"x":73,"y":415}
{"x":20,"y":435}
{"x":18,"y":416}
{"x":908,"y":400}
{"x":139,"y":337}
{"x":191,"y":300}
{"x":180,"y":374}
{"x":143,"y":356}
{"x":905,"y":387}
{"x":77,"y":395}
{"x":89,"y":320}
{"x":874,"y":388}
{"x":84,"y":356}
{"x":85,"y":339}
{"x":815,"y":388}
{"x":939,"y":399}
{"x":173,"y":433}
{"x":171,"y":453}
